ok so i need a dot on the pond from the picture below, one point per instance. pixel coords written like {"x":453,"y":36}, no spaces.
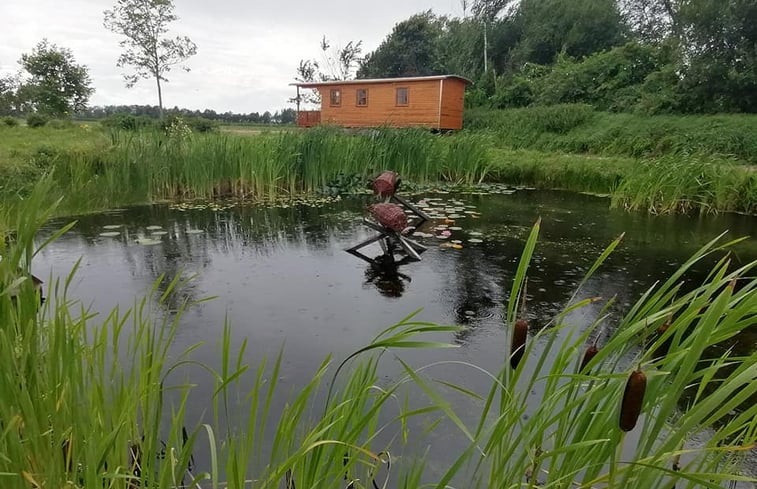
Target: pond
{"x":282,"y":278}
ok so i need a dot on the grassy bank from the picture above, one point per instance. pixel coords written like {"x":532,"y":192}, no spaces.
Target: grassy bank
{"x":95,"y":168}
{"x":581,"y":129}
{"x":90,"y":401}
{"x":664,"y":185}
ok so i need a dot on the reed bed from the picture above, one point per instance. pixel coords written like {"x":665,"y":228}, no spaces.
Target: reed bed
{"x":672,"y":185}
{"x":150,"y":165}
{"x":95,"y":402}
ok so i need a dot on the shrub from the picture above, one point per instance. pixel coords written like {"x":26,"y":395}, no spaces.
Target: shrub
{"x":9,"y":121}
{"x":127,"y":122}
{"x":196,"y":124}
{"x":201,"y":124}
{"x":36,"y":120}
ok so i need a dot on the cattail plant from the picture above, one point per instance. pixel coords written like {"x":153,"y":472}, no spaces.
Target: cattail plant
{"x":633,"y":398}
{"x":520,"y":332}
{"x":591,"y":352}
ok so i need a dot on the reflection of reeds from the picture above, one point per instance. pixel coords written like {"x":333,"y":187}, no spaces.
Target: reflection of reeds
{"x":97,"y":389}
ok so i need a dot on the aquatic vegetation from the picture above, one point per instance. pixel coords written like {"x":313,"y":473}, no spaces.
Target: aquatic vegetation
{"x":672,"y":185}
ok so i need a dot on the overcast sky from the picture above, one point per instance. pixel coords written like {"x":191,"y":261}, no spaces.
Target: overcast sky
{"x":247,"y":49}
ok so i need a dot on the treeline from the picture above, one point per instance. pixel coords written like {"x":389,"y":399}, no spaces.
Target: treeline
{"x":647,"y":56}
{"x":283,"y":116}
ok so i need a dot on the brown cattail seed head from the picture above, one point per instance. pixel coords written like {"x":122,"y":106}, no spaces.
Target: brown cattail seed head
{"x":633,"y":399}
{"x":520,"y":332}
{"x":590,"y":352}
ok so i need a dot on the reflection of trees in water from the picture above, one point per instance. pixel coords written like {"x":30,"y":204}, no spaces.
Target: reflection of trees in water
{"x":472,"y":289}
{"x":241,"y":232}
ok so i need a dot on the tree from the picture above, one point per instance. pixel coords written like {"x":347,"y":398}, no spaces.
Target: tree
{"x":718,"y":58}
{"x":577,"y":28}
{"x":411,"y":49}
{"x":8,"y":95}
{"x":56,"y":85}
{"x":337,"y":63}
{"x":489,"y":9}
{"x":650,"y":20}
{"x":147,"y":49}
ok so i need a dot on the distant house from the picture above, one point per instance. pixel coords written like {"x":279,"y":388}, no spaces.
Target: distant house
{"x":434,"y":102}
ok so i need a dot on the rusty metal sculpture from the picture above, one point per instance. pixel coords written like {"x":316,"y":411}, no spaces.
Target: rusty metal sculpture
{"x":390,"y":219}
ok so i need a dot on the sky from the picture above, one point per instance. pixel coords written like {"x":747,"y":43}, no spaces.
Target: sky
{"x":248,"y":50}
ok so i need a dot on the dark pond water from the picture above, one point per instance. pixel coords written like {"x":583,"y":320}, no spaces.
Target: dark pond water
{"x":282,"y":278}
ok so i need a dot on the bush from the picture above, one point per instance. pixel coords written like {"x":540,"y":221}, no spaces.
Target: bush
{"x":127,"y":122}
{"x":9,"y":121}
{"x":36,"y":120}
{"x":196,"y":124}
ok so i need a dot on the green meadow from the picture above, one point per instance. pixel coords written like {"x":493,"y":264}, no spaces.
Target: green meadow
{"x":660,"y":164}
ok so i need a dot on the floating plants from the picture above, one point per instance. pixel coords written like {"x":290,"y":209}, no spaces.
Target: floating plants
{"x":148,"y":241}
{"x":110,"y":234}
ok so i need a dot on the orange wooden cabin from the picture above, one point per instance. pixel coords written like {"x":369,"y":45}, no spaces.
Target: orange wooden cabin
{"x":434,"y":102}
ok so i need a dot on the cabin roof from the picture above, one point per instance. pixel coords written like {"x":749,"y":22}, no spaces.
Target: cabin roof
{"x":379,"y":80}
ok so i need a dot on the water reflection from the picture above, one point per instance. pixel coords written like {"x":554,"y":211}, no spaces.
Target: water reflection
{"x":282,"y":277}
{"x":385,"y":275}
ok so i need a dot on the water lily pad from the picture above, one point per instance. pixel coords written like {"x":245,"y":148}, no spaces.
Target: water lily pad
{"x":455,"y":228}
{"x":475,"y":240}
{"x":113,"y":226}
{"x":456,"y":241}
{"x":476,"y":233}
{"x":455,"y":216}
{"x":110,"y":234}
{"x":457,"y":246}
{"x":159,"y":233}
{"x":194,"y":231}
{"x":153,"y":228}
{"x":148,"y":241}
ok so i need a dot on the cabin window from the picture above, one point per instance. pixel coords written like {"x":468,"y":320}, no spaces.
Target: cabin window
{"x":362,"y":97}
{"x":402,"y":98}
{"x":336,"y":97}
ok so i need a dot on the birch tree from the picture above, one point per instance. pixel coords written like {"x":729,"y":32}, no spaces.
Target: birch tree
{"x":147,"y":47}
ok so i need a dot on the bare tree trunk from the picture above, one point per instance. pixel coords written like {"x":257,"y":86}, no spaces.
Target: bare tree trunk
{"x":160,"y":98}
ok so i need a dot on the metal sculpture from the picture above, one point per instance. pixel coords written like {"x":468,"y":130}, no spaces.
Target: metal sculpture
{"x":390,"y":219}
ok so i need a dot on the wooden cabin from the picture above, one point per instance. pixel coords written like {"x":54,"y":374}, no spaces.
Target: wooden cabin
{"x":434,"y":102}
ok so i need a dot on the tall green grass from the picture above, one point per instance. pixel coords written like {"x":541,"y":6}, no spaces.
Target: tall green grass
{"x":577,"y":128}
{"x":671,"y":185}
{"x":149,"y":165}
{"x":666,"y":185}
{"x":99,"y":402}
